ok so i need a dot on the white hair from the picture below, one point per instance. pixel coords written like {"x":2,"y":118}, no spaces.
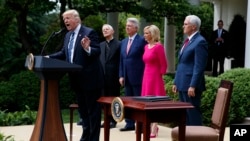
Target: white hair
{"x":194,"y":20}
{"x":108,"y":26}
{"x":134,"y":21}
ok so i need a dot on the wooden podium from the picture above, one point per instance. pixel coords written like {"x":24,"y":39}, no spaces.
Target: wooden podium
{"x":49,"y":125}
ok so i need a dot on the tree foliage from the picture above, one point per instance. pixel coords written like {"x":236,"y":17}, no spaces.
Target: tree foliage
{"x":27,"y":24}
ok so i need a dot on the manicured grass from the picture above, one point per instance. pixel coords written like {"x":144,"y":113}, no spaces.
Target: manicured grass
{"x":66,"y":116}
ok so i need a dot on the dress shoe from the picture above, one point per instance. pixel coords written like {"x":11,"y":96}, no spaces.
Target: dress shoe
{"x":112,"y":125}
{"x":127,"y":128}
{"x":154,"y":134}
{"x":80,"y":123}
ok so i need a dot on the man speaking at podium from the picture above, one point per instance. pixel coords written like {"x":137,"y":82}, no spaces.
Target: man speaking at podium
{"x":81,"y":46}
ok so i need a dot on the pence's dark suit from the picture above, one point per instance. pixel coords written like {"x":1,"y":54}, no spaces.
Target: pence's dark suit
{"x":190,"y":73}
{"x":88,"y":82}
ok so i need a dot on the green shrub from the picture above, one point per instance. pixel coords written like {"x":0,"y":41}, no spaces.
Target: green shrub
{"x":27,"y":90}
{"x":240,"y":101}
{"x":26,"y":117}
{"x":8,"y":96}
{"x":168,"y":79}
{"x":66,"y":95}
{"x":24,"y":89}
{"x":6,"y":138}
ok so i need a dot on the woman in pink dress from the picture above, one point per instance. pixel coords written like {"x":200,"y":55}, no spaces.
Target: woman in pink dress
{"x":155,"y":67}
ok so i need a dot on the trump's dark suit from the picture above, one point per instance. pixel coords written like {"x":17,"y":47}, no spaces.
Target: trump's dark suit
{"x":190,"y":73}
{"x":88,"y":82}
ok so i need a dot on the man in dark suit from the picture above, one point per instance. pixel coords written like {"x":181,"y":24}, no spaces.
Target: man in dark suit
{"x":219,"y":48}
{"x":189,"y":78}
{"x":131,"y":64}
{"x":81,"y":46}
{"x":110,"y":58}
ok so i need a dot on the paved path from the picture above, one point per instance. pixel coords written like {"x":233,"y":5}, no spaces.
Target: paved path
{"x":23,"y":133}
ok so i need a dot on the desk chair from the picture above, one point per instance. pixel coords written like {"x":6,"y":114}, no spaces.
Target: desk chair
{"x":218,"y":121}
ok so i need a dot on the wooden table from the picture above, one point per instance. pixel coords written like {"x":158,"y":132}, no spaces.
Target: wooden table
{"x":146,"y":112}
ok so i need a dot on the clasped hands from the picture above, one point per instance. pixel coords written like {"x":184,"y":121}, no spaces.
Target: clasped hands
{"x":219,"y":39}
{"x":85,"y":42}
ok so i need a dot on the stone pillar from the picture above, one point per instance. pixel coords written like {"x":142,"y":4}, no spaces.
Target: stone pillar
{"x":169,"y":44}
{"x":143,"y":22}
{"x":112,"y":19}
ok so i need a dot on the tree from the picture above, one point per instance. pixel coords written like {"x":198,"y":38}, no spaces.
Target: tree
{"x":21,"y":31}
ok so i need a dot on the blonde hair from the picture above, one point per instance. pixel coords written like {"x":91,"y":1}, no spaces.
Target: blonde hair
{"x":154,"y":32}
{"x":74,"y":13}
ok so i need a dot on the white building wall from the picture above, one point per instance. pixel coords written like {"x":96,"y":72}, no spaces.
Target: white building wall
{"x":225,"y":10}
{"x":247,"y":51}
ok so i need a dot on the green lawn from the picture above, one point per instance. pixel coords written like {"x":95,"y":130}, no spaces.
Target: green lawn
{"x":66,"y":115}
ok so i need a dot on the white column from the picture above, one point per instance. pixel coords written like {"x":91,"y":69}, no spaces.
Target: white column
{"x":217,"y":12}
{"x":247,"y":50}
{"x":169,"y":44}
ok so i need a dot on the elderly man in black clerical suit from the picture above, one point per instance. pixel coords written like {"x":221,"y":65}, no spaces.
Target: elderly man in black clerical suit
{"x":110,"y":58}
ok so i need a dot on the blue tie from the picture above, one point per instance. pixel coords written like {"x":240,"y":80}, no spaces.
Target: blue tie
{"x":219,"y":32}
{"x":71,"y":46}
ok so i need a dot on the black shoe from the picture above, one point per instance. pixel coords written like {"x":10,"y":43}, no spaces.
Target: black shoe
{"x":80,"y":123}
{"x":127,"y":129}
{"x":102,"y":125}
{"x":112,"y":125}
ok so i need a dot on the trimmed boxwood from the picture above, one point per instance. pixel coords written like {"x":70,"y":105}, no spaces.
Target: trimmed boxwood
{"x":24,"y":89}
{"x":240,"y":102}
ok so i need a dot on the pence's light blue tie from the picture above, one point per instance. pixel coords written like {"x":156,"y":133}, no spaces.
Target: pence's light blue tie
{"x":71,"y":47}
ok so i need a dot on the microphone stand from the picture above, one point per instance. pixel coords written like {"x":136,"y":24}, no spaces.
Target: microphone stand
{"x":51,"y":35}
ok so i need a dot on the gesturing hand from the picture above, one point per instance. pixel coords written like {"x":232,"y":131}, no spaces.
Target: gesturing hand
{"x":85,"y":42}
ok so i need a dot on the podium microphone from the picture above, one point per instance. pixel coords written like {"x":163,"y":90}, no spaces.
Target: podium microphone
{"x":51,"y":36}
{"x":58,"y":32}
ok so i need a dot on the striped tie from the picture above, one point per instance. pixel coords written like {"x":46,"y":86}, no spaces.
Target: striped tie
{"x":129,"y":45}
{"x":71,"y":47}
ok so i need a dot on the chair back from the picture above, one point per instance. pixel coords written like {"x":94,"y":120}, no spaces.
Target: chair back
{"x":221,"y":107}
